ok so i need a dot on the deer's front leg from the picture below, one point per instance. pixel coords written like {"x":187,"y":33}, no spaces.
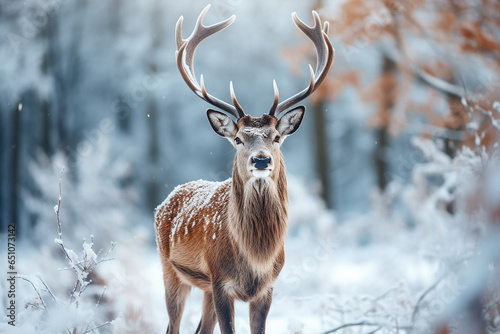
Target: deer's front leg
{"x":259,"y":308}
{"x":176,"y":293}
{"x":224,"y":308}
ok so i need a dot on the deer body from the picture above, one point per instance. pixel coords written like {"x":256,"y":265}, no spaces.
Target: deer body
{"x":213,"y":234}
{"x":227,"y":238}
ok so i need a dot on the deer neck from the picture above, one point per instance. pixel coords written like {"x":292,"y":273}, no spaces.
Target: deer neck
{"x":259,"y":215}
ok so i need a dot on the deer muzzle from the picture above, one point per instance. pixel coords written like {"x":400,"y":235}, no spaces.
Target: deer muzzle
{"x":261,"y":163}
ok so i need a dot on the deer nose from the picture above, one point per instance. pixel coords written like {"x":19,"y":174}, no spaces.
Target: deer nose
{"x":261,"y":163}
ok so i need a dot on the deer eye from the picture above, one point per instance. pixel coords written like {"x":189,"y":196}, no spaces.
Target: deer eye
{"x":277,"y":139}
{"x":238,"y":141}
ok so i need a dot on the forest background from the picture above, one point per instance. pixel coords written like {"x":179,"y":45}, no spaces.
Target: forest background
{"x":394,"y":182}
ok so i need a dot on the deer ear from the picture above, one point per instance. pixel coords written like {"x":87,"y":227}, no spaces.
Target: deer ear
{"x":222,"y":124}
{"x":290,"y":122}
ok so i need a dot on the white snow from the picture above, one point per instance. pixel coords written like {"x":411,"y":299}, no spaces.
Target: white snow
{"x":263,"y":132}
{"x":496,"y":106}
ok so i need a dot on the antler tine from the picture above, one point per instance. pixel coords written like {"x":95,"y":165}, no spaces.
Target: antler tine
{"x":326,"y":27}
{"x":178,"y":33}
{"x":276,"y":99}
{"x":237,"y":105}
{"x":184,"y":54}
{"x":324,"y":54}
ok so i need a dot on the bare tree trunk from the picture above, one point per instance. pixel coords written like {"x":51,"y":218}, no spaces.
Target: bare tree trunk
{"x":15,"y":150}
{"x":152,"y":184}
{"x":456,"y":122}
{"x":322,"y":145}
{"x":381,"y":133}
{"x":45,"y":105}
{"x":152,"y":190}
{"x":322,"y":152}
{"x":46,"y":128}
{"x":380,"y":157}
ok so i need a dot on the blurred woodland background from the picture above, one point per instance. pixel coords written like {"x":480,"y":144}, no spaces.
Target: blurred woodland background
{"x":401,"y":137}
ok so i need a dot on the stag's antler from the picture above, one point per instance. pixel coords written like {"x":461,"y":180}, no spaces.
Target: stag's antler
{"x":187,"y":47}
{"x":185,"y":56}
{"x":324,"y":54}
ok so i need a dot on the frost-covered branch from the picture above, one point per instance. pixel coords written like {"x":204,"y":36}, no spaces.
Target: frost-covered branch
{"x":436,"y":83}
{"x":421,"y":299}
{"x":494,"y":121}
{"x":82,"y":267}
{"x":472,"y":126}
{"x":56,"y":208}
{"x":47,"y":288}
{"x":34,"y":288}
{"x":355,"y":324}
{"x":87,"y":330}
{"x":439,"y":84}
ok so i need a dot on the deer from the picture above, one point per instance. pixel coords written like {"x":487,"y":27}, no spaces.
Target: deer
{"x":227,"y":238}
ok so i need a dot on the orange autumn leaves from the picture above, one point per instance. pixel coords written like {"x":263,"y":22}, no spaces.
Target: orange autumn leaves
{"x":457,"y":32}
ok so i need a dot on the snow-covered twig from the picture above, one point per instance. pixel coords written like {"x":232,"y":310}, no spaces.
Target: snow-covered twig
{"x":494,"y":121}
{"x":73,"y":292}
{"x":472,"y":125}
{"x":438,"y":84}
{"x":435,"y":131}
{"x":354,"y":324}
{"x":376,"y":300}
{"x":422,"y":297}
{"x":107,"y":323}
{"x":34,"y":288}
{"x":47,"y":288}
{"x":100,"y":297}
{"x":56,"y":209}
{"x":82,"y":268}
{"x":105,"y":256}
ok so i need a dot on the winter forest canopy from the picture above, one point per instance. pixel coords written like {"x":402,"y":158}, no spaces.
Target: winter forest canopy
{"x":394,"y":177}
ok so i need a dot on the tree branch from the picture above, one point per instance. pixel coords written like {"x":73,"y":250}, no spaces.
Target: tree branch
{"x":422,"y":297}
{"x":36,"y":290}
{"x":361,"y":323}
{"x":439,"y":84}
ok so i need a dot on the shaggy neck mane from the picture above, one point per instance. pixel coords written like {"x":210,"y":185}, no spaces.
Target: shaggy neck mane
{"x":259,"y":212}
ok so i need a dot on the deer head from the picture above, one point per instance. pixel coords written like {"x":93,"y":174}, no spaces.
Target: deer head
{"x":257,"y":140}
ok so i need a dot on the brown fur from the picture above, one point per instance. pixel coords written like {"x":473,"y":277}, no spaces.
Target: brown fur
{"x":264,"y":120}
{"x":259,"y":211}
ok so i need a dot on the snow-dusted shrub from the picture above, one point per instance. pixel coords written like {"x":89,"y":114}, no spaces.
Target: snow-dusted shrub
{"x":46,"y":311}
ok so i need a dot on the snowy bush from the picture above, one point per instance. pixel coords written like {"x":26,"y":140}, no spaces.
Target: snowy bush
{"x":49,"y":312}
